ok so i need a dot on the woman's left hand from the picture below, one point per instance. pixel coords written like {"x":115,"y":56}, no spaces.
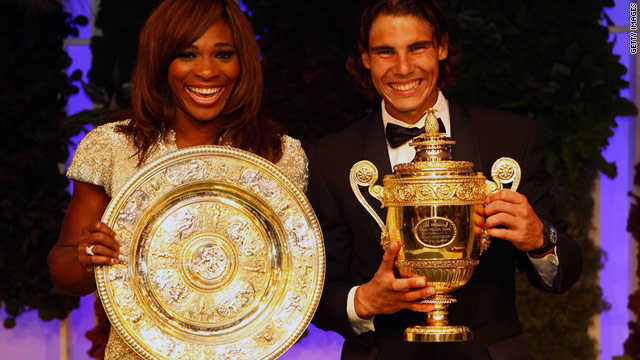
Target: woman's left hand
{"x":97,"y":245}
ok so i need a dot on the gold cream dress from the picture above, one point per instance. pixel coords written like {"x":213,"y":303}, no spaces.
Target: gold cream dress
{"x":108,"y":159}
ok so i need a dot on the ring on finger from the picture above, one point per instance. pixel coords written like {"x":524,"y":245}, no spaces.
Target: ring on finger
{"x":89,"y":250}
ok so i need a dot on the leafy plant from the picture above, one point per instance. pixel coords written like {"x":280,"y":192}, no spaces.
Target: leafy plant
{"x":632,"y":345}
{"x":33,"y":93}
{"x":114,"y":52}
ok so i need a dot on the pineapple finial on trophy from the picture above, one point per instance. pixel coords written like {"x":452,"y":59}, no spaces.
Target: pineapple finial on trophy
{"x":432,"y":145}
{"x":431,"y":126}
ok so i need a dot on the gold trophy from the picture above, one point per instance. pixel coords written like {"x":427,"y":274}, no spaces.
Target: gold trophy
{"x":434,"y":209}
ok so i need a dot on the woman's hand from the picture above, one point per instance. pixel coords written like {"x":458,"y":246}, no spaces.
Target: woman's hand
{"x":70,"y":265}
{"x":98,"y":245}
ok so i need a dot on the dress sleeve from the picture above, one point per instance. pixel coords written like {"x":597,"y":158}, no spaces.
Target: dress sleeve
{"x":294,"y":162}
{"x":93,"y":161}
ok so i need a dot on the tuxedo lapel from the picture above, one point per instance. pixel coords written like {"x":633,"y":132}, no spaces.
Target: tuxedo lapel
{"x":463,"y":131}
{"x":374,"y":146}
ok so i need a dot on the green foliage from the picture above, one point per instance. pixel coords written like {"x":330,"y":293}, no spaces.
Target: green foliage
{"x":114,"y":50}
{"x":113,"y":59}
{"x":33,"y":198}
{"x":632,"y":344}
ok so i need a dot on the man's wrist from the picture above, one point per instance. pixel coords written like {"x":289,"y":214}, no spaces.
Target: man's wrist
{"x":359,"y":307}
{"x":358,"y":324}
{"x":549,"y":237}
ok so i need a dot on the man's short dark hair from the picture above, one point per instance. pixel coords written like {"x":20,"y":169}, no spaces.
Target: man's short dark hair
{"x":427,"y":10}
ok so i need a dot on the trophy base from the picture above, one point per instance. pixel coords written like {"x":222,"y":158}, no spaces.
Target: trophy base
{"x":426,"y":333}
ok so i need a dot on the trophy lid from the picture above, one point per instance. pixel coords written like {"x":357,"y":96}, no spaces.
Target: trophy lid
{"x":432,"y":178}
{"x":433,"y":152}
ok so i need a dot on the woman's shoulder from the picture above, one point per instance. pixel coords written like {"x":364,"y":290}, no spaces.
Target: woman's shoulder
{"x":104,"y":137}
{"x":293,"y":161}
{"x":290,"y":142}
{"x":292,"y":147}
{"x":94,"y":157}
{"x":107,"y":132}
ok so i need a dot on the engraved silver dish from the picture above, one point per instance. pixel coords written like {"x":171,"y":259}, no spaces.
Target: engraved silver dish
{"x":226,"y":258}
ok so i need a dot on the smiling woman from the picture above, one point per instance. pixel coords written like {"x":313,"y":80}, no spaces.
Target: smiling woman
{"x":197,"y":81}
{"x":201,"y":80}
{"x":179,"y":35}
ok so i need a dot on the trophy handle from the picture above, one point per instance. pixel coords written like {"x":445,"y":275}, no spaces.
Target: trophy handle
{"x":364,"y":173}
{"x":504,"y":171}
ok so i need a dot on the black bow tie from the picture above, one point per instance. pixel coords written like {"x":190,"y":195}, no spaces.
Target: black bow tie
{"x":398,"y":135}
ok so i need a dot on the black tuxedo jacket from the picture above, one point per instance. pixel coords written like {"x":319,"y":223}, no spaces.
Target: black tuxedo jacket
{"x":352,"y":238}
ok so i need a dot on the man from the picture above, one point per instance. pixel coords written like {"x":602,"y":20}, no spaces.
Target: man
{"x":404,"y":57}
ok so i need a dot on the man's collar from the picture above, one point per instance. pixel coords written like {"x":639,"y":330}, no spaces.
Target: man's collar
{"x":442,"y":111}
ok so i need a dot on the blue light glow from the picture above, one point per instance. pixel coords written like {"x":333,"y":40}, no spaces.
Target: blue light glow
{"x":82,"y":319}
{"x":242,"y":6}
{"x":617,"y":278}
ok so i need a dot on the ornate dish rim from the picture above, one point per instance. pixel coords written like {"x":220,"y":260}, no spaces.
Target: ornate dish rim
{"x":257,"y":161}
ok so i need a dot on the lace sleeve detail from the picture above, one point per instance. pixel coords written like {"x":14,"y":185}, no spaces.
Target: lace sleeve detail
{"x":93,"y":161}
{"x":294,"y":162}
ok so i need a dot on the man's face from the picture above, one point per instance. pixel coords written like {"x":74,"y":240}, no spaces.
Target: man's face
{"x":403,"y":59}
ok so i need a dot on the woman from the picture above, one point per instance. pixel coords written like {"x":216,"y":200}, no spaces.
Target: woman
{"x":197,"y":81}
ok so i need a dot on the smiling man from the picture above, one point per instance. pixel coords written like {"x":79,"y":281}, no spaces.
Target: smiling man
{"x":404,"y":59}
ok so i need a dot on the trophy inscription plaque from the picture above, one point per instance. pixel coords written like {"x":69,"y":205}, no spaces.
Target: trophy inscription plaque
{"x":434,"y":210}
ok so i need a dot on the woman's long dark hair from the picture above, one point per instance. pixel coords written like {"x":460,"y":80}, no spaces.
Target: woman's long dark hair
{"x":172,"y":27}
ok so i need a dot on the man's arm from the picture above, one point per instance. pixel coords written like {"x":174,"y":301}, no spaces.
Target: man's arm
{"x":517,"y":217}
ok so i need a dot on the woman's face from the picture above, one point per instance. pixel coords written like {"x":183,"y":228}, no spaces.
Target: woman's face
{"x":203,"y":76}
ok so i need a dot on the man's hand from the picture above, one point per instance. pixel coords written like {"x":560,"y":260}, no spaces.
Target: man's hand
{"x":509,"y":216}
{"x":386,"y":294}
